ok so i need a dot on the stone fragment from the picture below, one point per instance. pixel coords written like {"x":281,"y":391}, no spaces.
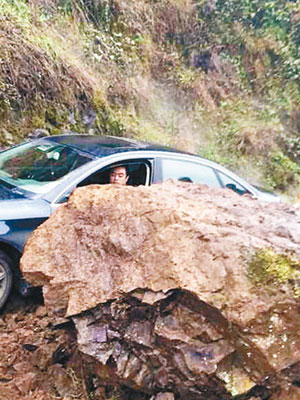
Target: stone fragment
{"x":163,"y":396}
{"x":25,"y":383}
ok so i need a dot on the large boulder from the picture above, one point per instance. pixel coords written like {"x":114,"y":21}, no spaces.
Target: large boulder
{"x":176,"y":287}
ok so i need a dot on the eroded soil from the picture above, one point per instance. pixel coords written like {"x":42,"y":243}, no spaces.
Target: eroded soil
{"x":34,"y":355}
{"x":39,"y":361}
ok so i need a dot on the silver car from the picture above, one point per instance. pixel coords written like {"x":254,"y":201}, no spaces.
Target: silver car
{"x":39,"y":175}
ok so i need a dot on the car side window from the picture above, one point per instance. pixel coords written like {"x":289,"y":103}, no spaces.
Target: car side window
{"x":139,"y":174}
{"x":232,"y":184}
{"x":187,"y":171}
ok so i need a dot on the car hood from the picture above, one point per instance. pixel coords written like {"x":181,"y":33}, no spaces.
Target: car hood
{"x":8,"y":193}
{"x":22,"y":208}
{"x":266,"y":195}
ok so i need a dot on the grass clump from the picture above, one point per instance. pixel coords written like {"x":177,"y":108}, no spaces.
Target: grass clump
{"x":281,"y":171}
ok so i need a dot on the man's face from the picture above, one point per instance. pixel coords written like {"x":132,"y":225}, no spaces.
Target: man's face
{"x":118,"y":175}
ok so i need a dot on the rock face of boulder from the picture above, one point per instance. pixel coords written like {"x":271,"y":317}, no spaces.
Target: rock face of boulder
{"x":176,"y":287}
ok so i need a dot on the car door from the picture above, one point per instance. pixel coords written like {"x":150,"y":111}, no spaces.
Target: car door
{"x":140,"y":173}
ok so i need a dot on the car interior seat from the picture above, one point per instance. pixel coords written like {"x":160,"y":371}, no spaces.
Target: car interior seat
{"x":137,"y":174}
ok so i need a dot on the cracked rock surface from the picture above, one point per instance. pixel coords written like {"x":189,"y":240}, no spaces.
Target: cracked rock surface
{"x":175,"y":289}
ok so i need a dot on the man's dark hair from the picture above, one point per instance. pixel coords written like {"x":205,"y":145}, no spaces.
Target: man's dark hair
{"x":120,"y":166}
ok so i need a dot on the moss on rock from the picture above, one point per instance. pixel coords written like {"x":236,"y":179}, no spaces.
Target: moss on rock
{"x":267,"y":267}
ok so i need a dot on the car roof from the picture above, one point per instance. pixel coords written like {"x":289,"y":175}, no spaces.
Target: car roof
{"x":100,"y":146}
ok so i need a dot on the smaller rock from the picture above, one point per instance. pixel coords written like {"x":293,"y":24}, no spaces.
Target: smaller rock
{"x":61,"y":355}
{"x":29,"y":347}
{"x":26,"y":383}
{"x":41,"y":311}
{"x":163,"y":396}
{"x":65,"y":382}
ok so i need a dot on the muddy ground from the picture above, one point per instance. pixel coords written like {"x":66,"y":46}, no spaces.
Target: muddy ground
{"x":33,"y":355}
{"x":39,"y":361}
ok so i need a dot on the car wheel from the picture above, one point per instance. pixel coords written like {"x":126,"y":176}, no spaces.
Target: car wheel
{"x":5,"y":277}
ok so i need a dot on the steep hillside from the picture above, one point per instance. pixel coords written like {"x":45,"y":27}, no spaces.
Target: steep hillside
{"x":219,"y":78}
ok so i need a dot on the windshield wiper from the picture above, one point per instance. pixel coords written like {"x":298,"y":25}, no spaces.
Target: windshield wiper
{"x":7,"y":184}
{"x":14,"y":189}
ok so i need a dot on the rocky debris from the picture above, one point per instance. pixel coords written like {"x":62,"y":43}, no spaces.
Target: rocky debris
{"x":28,"y":370}
{"x":157,"y":347}
{"x":176,"y":289}
{"x":39,"y":361}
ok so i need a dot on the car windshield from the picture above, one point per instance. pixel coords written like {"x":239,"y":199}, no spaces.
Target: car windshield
{"x":37,"y":166}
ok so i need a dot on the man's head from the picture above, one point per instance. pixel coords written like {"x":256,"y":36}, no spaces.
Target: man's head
{"x":118,"y":175}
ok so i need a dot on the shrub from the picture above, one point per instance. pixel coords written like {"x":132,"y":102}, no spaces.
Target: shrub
{"x":281,"y":171}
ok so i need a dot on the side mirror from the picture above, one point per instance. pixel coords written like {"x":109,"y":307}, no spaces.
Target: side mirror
{"x":185,"y":179}
{"x":233,"y":187}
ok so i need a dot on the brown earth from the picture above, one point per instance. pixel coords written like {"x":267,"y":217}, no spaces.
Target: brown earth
{"x":31,"y":362}
{"x":32,"y":366}
{"x":38,"y":361}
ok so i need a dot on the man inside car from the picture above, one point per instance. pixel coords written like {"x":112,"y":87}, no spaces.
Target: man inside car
{"x":118,"y":175}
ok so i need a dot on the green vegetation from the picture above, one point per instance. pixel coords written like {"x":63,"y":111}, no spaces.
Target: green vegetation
{"x":270,"y":268}
{"x":219,"y":78}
